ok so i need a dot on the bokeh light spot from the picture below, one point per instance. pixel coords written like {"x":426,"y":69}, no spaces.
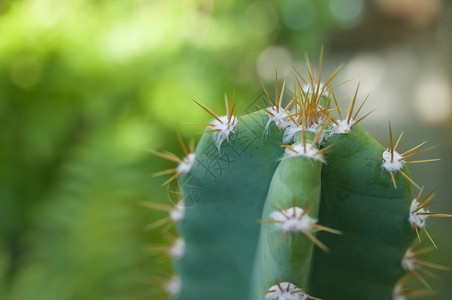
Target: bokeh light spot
{"x":347,"y":13}
{"x":433,"y":100}
{"x":271,"y":59}
{"x":298,"y":14}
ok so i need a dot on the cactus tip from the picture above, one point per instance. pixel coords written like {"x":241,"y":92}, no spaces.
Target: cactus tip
{"x":341,"y":127}
{"x":280,"y":118}
{"x":222,"y":129}
{"x":412,"y":263}
{"x":177,"y":250}
{"x":306,"y":150}
{"x":173,"y":286}
{"x":184,"y":164}
{"x":177,"y":213}
{"x":296,"y":219}
{"x":419,"y":213}
{"x":286,"y":291}
{"x":392,"y":160}
{"x":221,"y":126}
{"x":344,"y":125}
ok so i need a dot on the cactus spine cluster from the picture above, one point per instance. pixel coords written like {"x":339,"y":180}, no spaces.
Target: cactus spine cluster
{"x":297,"y":201}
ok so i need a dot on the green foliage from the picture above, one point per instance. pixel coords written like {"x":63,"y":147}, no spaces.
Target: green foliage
{"x":85,"y":225}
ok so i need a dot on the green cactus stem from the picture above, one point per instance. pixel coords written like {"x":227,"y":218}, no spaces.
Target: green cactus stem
{"x":296,"y":202}
{"x":290,"y":215}
{"x":222,"y":222}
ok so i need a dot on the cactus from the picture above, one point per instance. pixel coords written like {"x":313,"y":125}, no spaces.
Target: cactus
{"x":296,"y":202}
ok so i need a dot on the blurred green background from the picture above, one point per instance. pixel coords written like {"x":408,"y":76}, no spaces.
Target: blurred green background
{"x":87,"y":86}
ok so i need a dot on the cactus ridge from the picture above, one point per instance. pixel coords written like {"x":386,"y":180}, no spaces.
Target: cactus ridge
{"x":294,"y":196}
